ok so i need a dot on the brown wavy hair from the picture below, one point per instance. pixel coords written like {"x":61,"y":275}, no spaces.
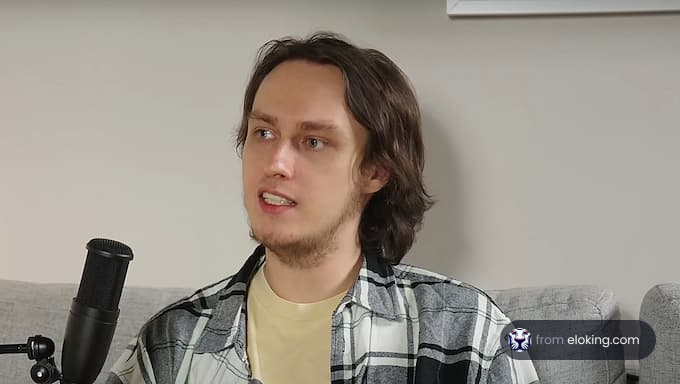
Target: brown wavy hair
{"x":381,"y":99}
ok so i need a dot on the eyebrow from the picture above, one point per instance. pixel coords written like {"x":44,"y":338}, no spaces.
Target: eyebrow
{"x":318,"y":126}
{"x":257,"y":115}
{"x":305,"y":125}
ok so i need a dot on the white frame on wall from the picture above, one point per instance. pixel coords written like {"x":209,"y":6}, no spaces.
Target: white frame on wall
{"x":459,"y":8}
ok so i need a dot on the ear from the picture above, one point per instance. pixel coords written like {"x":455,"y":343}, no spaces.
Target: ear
{"x":376,"y":178}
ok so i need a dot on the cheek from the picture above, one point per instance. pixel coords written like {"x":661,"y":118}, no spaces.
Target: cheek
{"x":329,"y":185}
{"x":249,"y":179}
{"x":250,"y":164}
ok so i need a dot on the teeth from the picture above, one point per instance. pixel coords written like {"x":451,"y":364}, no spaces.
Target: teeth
{"x":276,"y":200}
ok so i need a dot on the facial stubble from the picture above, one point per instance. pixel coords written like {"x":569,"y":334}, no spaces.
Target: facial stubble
{"x":309,"y":250}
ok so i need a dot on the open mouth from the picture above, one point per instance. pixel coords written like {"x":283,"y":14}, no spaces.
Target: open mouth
{"x":276,"y":200}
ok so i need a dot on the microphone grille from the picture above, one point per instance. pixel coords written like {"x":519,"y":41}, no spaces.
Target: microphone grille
{"x":109,"y":248}
{"x":104,"y":273}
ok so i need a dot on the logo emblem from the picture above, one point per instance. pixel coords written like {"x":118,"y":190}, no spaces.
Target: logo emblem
{"x":519,"y":339}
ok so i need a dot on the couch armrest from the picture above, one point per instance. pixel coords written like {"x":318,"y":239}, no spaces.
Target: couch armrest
{"x":661,"y":310}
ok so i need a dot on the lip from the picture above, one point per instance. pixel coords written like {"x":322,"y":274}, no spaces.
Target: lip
{"x":273,"y":209}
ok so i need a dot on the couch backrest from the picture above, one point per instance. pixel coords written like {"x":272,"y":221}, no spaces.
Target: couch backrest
{"x":27,"y":309}
{"x":565,"y":303}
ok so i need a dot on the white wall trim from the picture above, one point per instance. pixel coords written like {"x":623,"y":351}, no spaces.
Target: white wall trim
{"x":457,"y":8}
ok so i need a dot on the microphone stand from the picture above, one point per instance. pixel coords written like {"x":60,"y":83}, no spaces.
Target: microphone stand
{"x":40,"y":349}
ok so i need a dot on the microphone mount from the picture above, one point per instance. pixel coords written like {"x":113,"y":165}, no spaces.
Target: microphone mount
{"x":40,"y":349}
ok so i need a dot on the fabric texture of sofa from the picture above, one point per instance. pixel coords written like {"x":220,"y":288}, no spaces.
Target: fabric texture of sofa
{"x":27,"y":309}
{"x":661,"y":310}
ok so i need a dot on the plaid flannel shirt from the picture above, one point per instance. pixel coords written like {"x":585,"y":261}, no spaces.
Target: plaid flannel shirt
{"x":397,"y":324}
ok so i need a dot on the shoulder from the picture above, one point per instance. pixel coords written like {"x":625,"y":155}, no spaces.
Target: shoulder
{"x":468,"y":314}
{"x":435,"y":290}
{"x":454,"y":318}
{"x":164,"y":339}
{"x":177,"y":321}
{"x":214,"y":308}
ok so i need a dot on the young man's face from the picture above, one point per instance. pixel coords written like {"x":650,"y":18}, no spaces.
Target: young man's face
{"x":302,"y":185}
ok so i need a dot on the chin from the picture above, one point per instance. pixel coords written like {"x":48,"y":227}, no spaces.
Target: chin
{"x":271,"y":233}
{"x":271,"y":240}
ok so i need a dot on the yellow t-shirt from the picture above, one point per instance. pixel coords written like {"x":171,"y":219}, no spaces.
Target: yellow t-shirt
{"x":288,"y":343}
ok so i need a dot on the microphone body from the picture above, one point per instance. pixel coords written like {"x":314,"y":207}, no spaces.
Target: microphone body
{"x":94,"y":311}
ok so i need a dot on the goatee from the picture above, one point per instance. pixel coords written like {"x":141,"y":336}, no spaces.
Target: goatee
{"x":309,"y":251}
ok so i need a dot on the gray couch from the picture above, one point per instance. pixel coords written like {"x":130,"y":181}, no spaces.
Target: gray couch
{"x":29,"y":308}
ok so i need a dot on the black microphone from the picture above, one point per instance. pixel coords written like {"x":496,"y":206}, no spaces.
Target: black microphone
{"x":94,"y":311}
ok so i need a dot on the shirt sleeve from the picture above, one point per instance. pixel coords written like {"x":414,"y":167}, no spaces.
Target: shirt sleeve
{"x":506,"y":370}
{"x":133,"y":366}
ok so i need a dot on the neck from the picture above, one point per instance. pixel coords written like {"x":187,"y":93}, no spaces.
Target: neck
{"x":335,"y":273}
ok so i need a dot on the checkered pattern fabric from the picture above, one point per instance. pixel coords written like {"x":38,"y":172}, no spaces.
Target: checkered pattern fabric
{"x":397,"y":324}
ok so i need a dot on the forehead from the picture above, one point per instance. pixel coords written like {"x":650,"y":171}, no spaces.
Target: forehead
{"x":296,"y":91}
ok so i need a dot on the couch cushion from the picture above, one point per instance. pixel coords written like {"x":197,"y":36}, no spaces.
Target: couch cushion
{"x":565,"y":303}
{"x":27,"y":309}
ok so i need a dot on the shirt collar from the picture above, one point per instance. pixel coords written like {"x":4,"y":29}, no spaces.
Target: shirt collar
{"x":227,"y":319}
{"x":376,"y":289}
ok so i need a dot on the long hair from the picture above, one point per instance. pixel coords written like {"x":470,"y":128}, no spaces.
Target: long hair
{"x":381,"y":99}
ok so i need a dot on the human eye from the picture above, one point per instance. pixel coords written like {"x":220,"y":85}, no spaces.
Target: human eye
{"x":315,"y":143}
{"x":263,"y":133}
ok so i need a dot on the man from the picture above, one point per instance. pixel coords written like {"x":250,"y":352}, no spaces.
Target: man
{"x":332,"y":160}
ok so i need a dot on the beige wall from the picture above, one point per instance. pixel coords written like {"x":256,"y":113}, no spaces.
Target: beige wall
{"x":552,"y":142}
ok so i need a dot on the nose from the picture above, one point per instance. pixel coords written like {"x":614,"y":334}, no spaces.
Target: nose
{"x":282,"y":161}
